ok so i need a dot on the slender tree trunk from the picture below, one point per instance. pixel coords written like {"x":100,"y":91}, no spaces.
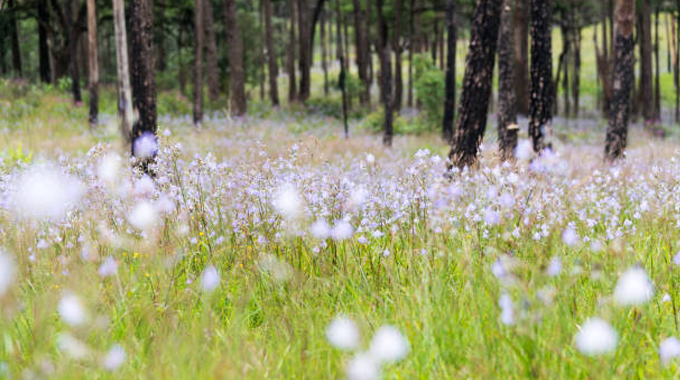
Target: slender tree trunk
{"x":507,"y":111}
{"x":262,"y":46}
{"x":646,"y":80}
{"x":474,"y":102}
{"x":3,"y":48}
{"x":624,"y":62}
{"x":142,"y":75}
{"x":565,"y":80}
{"x":540,"y":106}
{"x":16,"y":47}
{"x":324,"y":51}
{"x":292,"y":81}
{"x":341,"y":59}
{"x":576,"y":78}
{"x":211,"y":65}
{"x":521,"y":54}
{"x":237,"y":79}
{"x":411,"y":48}
{"x":385,"y":74}
{"x":271,"y":54}
{"x":345,"y":24}
{"x":398,"y":80}
{"x":181,"y":72}
{"x":73,"y":52}
{"x":361,"y":59}
{"x":125,"y":110}
{"x":433,"y":49}
{"x":657,"y":69}
{"x":43,"y":23}
{"x":198,"y":61}
{"x":450,"y":100}
{"x":93,"y":62}
{"x":305,"y":49}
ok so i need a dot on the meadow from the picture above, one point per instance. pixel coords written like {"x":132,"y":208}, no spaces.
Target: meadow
{"x":271,"y":247}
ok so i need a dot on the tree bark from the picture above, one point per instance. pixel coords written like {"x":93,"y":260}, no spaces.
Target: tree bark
{"x":237,"y":78}
{"x":125,"y":110}
{"x":576,"y":77}
{"x":142,"y":74}
{"x":361,"y":45}
{"x":624,"y":62}
{"x":507,"y":112}
{"x":292,"y":81}
{"x":271,"y":54}
{"x":540,"y":105}
{"x":73,"y":52}
{"x":198,"y":62}
{"x":411,"y":48}
{"x":385,"y":75}
{"x":342,"y":77}
{"x":474,"y":102}
{"x":93,"y":62}
{"x":646,"y":80}
{"x":44,"y":52}
{"x":211,"y":66}
{"x":657,"y":68}
{"x":16,"y":47}
{"x":521,"y":54}
{"x":305,"y":49}
{"x":398,"y":81}
{"x":324,"y":51}
{"x":450,"y":100}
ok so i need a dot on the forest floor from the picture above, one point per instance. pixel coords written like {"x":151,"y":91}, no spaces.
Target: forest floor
{"x":272,"y":247}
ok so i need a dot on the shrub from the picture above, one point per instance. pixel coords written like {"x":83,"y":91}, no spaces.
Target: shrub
{"x":430,"y":90}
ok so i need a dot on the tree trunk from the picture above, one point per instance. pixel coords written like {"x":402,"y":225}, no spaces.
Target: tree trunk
{"x":342,"y":77}
{"x":361,"y":44}
{"x":271,"y":54}
{"x":181,"y":72}
{"x":211,"y":66}
{"x":646,"y":80}
{"x":565,"y":80}
{"x":261,"y":47}
{"x":435,"y":45}
{"x":385,"y":75}
{"x":93,"y":62}
{"x":624,"y":62}
{"x":292,"y":81}
{"x":16,"y":48}
{"x":411,"y":48}
{"x":44,"y":50}
{"x":198,"y":62}
{"x":324,"y":52}
{"x":398,"y":81}
{"x":474,"y":102}
{"x":142,"y":74}
{"x":521,"y":53}
{"x":73,"y":52}
{"x":450,"y":100}
{"x":125,"y":111}
{"x":507,"y":112}
{"x":657,"y":68}
{"x":237,"y":79}
{"x":576,"y":77}
{"x":305,"y":49}
{"x":540,"y":106}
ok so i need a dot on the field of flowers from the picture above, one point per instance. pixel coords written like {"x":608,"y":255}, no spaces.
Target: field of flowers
{"x":278,"y":250}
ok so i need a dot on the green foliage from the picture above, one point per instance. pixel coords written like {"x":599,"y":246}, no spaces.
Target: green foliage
{"x":16,"y":155}
{"x":375,"y":123}
{"x":430,"y":90}
{"x":173,"y":103}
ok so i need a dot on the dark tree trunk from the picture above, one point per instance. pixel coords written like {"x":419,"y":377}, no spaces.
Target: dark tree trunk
{"x":93,"y":62}
{"x":433,"y":49}
{"x":305,"y":49}
{"x":142,"y":76}
{"x":657,"y":63}
{"x":211,"y":66}
{"x":540,"y":106}
{"x":342,"y":77}
{"x":237,"y":79}
{"x":576,"y":77}
{"x":398,"y":81}
{"x":271,"y":54}
{"x":324,"y":54}
{"x":73,"y":52}
{"x":385,"y":74}
{"x":361,"y":45}
{"x":566,"y":50}
{"x":181,"y":73}
{"x":624,"y":61}
{"x":292,"y":81}
{"x":16,"y":48}
{"x":507,"y":112}
{"x":411,"y":49}
{"x":43,"y":23}
{"x":646,"y":80}
{"x":198,"y":62}
{"x":521,"y":53}
{"x":450,"y":100}
{"x":474,"y":102}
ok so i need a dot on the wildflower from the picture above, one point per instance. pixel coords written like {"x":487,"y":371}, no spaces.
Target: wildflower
{"x":210,"y":279}
{"x":342,"y":333}
{"x":71,"y":310}
{"x":342,"y":230}
{"x":108,"y":168}
{"x":320,"y":229}
{"x":143,"y":216}
{"x":524,"y":150}
{"x":633,"y":288}
{"x":114,"y":358}
{"x":596,"y":337}
{"x":669,"y":349}
{"x":555,"y":267}
{"x":507,"y":310}
{"x":75,"y":348}
{"x":109,"y":267}
{"x":7,"y":272}
{"x":363,"y":367}
{"x":287,"y":202}
{"x":145,"y":146}
{"x":388,"y":345}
